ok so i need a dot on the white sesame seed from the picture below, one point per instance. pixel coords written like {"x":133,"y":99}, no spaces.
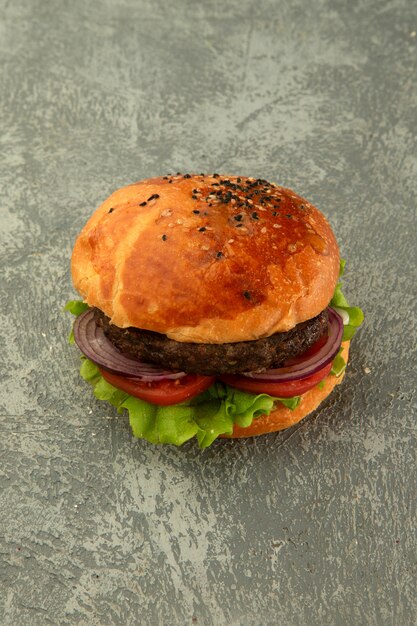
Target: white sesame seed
{"x":263,"y":230}
{"x":277,"y":226}
{"x":179,"y":221}
{"x":205,"y":248}
{"x":171,"y":225}
{"x":230,"y":241}
{"x":166,"y":213}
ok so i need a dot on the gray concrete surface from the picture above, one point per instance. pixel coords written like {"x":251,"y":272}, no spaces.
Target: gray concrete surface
{"x":313,"y":526}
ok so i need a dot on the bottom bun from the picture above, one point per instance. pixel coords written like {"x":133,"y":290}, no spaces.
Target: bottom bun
{"x":282,"y":417}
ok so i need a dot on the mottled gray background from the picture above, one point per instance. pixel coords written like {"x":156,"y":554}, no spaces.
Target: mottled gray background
{"x":313,"y":526}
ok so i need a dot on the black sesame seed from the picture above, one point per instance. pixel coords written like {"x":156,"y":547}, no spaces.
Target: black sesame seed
{"x":239,"y":225}
{"x":164,"y":237}
{"x":274,"y":213}
{"x":202,"y":229}
{"x":247,"y":295}
{"x":110,"y":210}
{"x":143,"y":203}
{"x":255,"y":216}
{"x":196,"y":211}
{"x":227,"y":196}
{"x":170,"y":181}
{"x":164,"y":177}
{"x":219,"y":254}
{"x":289,"y":216}
{"x":238,"y":217}
{"x":187,"y":176}
{"x":154,"y":196}
{"x":215,"y":175}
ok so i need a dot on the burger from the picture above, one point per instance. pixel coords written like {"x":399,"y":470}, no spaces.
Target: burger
{"x":211,"y":307}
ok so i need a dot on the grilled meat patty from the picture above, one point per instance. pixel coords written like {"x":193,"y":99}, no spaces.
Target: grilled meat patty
{"x":211,"y":359}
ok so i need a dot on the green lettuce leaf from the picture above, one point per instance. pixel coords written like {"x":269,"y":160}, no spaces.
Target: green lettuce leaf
{"x":208,"y":415}
{"x":354,"y":313}
{"x":71,"y":338}
{"x":76,"y":307}
{"x":89,"y":371}
{"x":338,"y":365}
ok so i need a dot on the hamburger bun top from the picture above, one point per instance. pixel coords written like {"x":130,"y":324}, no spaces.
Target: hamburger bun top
{"x":206,"y":259}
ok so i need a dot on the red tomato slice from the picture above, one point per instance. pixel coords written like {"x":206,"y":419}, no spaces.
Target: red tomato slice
{"x":163,"y":392}
{"x":280,"y":390}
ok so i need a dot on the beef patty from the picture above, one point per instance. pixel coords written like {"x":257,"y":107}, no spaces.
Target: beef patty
{"x":212,"y":359}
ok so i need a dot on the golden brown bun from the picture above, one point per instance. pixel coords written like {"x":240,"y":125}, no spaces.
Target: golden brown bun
{"x":200,"y":267}
{"x":282,"y":418}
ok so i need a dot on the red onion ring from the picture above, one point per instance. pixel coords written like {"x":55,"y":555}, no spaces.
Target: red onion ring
{"x":312,"y":364}
{"x":94,"y":344}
